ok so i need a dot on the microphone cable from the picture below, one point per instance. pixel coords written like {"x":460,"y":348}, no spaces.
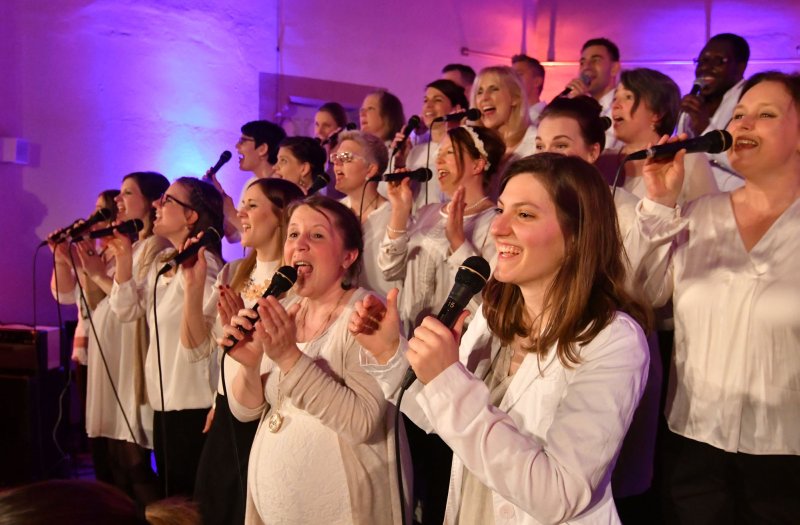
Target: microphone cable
{"x":163,"y":413}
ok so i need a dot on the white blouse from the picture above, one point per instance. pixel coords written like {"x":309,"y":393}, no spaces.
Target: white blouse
{"x":736,"y":383}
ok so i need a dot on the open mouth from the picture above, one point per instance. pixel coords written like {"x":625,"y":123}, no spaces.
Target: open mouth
{"x":507,"y":251}
{"x":742,"y":143}
{"x":303,"y":268}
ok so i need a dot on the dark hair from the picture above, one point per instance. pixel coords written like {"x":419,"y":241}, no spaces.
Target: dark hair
{"x":790,"y":82}
{"x":348,"y":225}
{"x":335,"y":110}
{"x":306,"y":149}
{"x":740,"y":47}
{"x":525,"y":59}
{"x":391,"y":111}
{"x":492,"y":143}
{"x":265,"y":132}
{"x":152,"y":185}
{"x":585,"y":111}
{"x":206,"y":201}
{"x":659,"y":92}
{"x":466,"y":72}
{"x":280,"y":193}
{"x":452,"y":91}
{"x":610,"y":46}
{"x":108,"y":196}
{"x":589,"y":287}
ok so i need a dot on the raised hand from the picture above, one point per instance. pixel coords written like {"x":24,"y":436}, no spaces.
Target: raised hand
{"x":663,"y":178}
{"x":194,"y":269}
{"x":454,"y":227}
{"x":246,"y":351}
{"x":91,"y":262}
{"x":699,"y":117}
{"x":376,"y":326}
{"x":434,"y":347}
{"x":277,"y":331}
{"x":229,"y":304}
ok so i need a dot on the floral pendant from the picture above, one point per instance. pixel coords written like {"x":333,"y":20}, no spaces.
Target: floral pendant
{"x":275,"y":422}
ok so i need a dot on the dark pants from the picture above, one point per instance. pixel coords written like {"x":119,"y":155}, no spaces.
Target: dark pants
{"x":178,"y":441}
{"x":706,"y":485}
{"x":221,"y":485}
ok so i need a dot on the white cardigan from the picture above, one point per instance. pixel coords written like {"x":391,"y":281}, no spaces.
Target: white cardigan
{"x":548,"y":451}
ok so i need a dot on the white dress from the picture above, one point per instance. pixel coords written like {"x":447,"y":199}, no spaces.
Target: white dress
{"x":422,"y":259}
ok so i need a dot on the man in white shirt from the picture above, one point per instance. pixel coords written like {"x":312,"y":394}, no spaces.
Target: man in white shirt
{"x":720,"y":73}
{"x":531,"y":73}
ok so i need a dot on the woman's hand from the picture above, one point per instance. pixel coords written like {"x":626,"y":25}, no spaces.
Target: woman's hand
{"x":376,"y":326}
{"x":229,"y":304}
{"x":194,"y":269}
{"x":245,"y":350}
{"x":209,"y":420}
{"x":91,"y":262}
{"x":402,"y":153}
{"x":434,"y":347}
{"x":663,"y":178}
{"x":454,"y":227}
{"x":277,"y":332}
{"x":122,"y":249}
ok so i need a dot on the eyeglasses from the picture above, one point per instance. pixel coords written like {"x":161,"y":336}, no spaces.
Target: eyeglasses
{"x":166,"y":199}
{"x":711,"y":61}
{"x":242,"y":140}
{"x":345,"y":157}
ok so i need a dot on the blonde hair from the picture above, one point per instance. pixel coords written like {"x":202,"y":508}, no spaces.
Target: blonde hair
{"x":519,"y":121}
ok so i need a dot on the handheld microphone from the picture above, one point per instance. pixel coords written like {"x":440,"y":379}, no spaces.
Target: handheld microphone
{"x":470,"y":279}
{"x":283,"y":279}
{"x":413,"y":123}
{"x":419,"y":175}
{"x":470,"y":114}
{"x":332,"y":138}
{"x":584,"y":78}
{"x":75,"y":229}
{"x":321,"y":180}
{"x":127,"y":227}
{"x":210,"y":236}
{"x":223,"y":158}
{"x":606,"y":122}
{"x":715,"y":141}
{"x":698,"y":85}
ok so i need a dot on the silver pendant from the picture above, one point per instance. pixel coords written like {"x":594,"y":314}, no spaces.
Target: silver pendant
{"x":275,"y":422}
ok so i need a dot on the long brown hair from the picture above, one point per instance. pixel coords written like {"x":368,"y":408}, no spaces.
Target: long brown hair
{"x":280,"y":193}
{"x":588,"y":288}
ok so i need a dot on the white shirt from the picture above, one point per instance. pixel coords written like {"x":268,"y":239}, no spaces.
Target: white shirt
{"x":535,"y":111}
{"x":611,"y":138}
{"x":736,"y":383}
{"x":419,"y":158}
{"x":548,"y":450}
{"x":527,"y":145}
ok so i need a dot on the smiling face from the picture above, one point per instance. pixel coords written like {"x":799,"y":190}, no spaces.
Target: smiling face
{"x":450,"y":173}
{"x":370,"y":117}
{"x":530,"y":243}
{"x":131,"y":203}
{"x":260,"y":225}
{"x":315,"y":246}
{"x":435,"y":104}
{"x":174,"y":216}
{"x":765,"y":128}
{"x":632,"y":126}
{"x":563,"y":135}
{"x":495,"y":100}
{"x":718,"y":68}
{"x":599,"y":68}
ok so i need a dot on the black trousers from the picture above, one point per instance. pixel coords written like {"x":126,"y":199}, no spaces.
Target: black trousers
{"x":706,"y":485}
{"x":177,"y":442}
{"x":221,"y":486}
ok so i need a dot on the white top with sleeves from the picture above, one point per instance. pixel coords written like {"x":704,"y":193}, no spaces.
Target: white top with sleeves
{"x":736,"y":383}
{"x":374,"y":229}
{"x":547,"y":452}
{"x":188,"y":375}
{"x":418,"y":158}
{"x":332,"y":460}
{"x":527,"y":145}
{"x":698,"y":181}
{"x":421,"y":258}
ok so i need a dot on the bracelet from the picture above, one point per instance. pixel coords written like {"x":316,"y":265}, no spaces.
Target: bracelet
{"x":393,"y":230}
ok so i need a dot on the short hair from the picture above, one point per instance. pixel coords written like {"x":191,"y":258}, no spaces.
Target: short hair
{"x":659,"y":92}
{"x":525,"y":59}
{"x":585,"y":111}
{"x":612,"y":48}
{"x":741,"y":49}
{"x":335,"y":110}
{"x":374,"y":149}
{"x":306,"y":149}
{"x":452,"y":91}
{"x":152,"y":185}
{"x":348,"y":225}
{"x":206,"y":201}
{"x":108,"y":196}
{"x":790,"y":82}
{"x":492,"y":143}
{"x":589,"y":286}
{"x":265,"y":132}
{"x":467,"y":72}
{"x":391,"y":110}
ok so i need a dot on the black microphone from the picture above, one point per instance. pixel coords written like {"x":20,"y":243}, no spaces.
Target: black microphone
{"x":470,"y":279}
{"x":413,"y":123}
{"x":78,"y":228}
{"x":284,"y":278}
{"x":698,"y":85}
{"x":584,"y":78}
{"x":223,"y":158}
{"x":210,"y":236}
{"x":332,"y":138}
{"x":321,"y":180}
{"x":715,"y":141}
{"x":470,"y":114}
{"x":127,"y":227}
{"x":606,"y":122}
{"x":419,"y":175}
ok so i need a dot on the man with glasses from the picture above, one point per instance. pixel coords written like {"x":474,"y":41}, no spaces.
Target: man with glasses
{"x":720,"y":73}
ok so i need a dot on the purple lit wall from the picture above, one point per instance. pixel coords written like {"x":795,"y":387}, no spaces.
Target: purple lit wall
{"x":101,"y":88}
